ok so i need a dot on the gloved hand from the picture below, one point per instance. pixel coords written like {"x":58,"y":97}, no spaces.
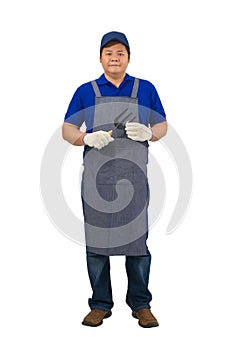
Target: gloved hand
{"x":138,"y":132}
{"x":98,"y":139}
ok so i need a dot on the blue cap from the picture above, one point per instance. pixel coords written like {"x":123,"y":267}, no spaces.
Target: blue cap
{"x":114,"y":36}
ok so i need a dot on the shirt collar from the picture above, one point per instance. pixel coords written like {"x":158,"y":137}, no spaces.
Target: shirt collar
{"x":102,"y":79}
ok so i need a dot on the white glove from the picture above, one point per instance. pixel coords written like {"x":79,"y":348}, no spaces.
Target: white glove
{"x":138,"y":132}
{"x":98,"y":139}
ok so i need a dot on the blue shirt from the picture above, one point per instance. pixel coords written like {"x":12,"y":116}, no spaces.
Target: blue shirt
{"x":81,"y":107}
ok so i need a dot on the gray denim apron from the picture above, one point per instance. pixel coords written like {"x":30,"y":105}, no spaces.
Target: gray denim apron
{"x":114,"y":185}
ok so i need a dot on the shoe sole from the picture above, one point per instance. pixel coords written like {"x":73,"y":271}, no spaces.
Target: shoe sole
{"x":90,"y":324}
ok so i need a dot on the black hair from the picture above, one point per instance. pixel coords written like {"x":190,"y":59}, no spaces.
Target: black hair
{"x":113,"y":42}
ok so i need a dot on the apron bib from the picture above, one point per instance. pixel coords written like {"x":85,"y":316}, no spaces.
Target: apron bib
{"x":114,"y":184}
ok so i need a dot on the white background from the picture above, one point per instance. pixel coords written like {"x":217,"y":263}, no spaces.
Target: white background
{"x":49,"y":48}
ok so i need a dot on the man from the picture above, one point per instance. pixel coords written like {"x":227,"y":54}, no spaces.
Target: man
{"x":121,"y":114}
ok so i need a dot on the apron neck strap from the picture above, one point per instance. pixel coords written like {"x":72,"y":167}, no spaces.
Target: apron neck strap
{"x":134,"y":89}
{"x":96,"y":88}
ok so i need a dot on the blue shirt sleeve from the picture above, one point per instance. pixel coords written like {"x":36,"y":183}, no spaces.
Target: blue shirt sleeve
{"x":158,"y":114}
{"x":75,"y":113}
{"x":150,"y":106}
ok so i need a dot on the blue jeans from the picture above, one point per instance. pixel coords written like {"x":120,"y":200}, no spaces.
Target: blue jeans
{"x":137,"y":268}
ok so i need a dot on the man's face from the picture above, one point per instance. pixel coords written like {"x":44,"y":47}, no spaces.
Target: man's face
{"x":114,"y":59}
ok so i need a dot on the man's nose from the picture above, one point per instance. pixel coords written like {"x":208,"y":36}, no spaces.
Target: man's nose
{"x":114,"y":59}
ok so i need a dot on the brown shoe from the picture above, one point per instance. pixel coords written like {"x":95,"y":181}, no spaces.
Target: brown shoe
{"x":146,"y":318}
{"x":95,"y":317}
